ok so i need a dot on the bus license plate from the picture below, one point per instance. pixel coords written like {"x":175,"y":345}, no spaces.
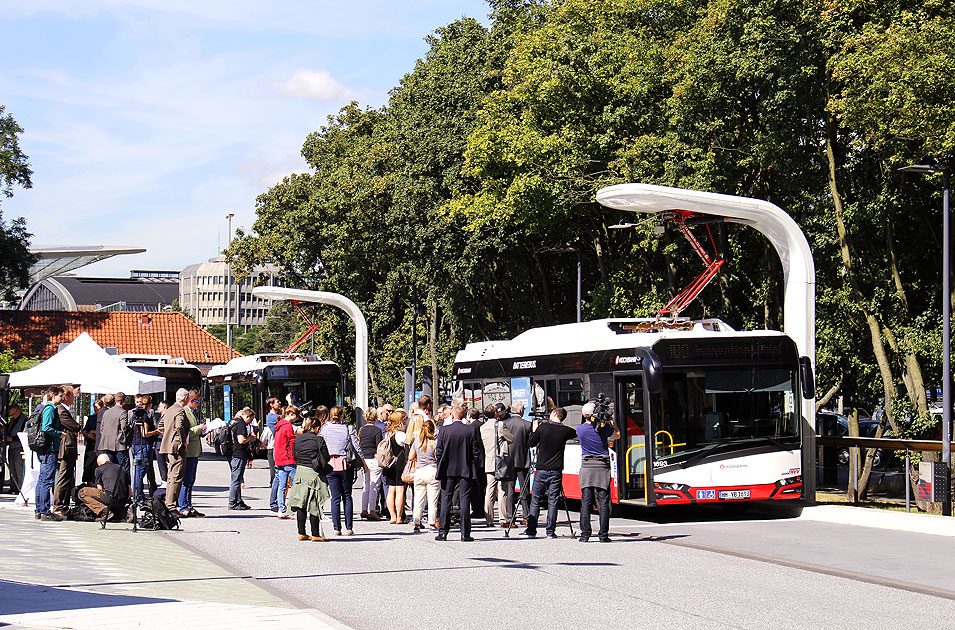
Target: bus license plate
{"x":734,"y":494}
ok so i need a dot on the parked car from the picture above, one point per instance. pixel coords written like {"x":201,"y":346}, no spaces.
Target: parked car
{"x":830,"y":423}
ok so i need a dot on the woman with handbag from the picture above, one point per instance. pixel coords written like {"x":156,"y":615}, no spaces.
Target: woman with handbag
{"x":338,"y":436}
{"x":395,"y":435}
{"x":425,"y":467}
{"x":310,"y":487}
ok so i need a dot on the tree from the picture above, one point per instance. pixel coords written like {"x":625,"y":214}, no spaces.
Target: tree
{"x":15,"y":256}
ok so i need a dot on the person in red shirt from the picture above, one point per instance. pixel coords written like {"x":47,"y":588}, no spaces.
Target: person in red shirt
{"x":284,"y":462}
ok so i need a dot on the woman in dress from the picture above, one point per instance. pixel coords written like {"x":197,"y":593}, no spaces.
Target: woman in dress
{"x":395,"y":434}
{"x":337,"y":435}
{"x":310,"y":487}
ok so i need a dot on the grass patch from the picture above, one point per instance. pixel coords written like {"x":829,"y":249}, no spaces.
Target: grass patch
{"x":894,"y":505}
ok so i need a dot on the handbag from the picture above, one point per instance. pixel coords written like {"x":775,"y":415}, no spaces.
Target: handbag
{"x":407,"y":475}
{"x":503,"y":464}
{"x":352,"y":456}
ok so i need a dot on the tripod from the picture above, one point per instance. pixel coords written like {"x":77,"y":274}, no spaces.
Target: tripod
{"x":525,"y":490}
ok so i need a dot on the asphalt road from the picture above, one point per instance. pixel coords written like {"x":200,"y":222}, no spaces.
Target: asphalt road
{"x":681,"y":569}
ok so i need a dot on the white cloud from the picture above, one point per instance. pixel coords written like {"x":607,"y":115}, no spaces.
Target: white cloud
{"x":318,"y":85}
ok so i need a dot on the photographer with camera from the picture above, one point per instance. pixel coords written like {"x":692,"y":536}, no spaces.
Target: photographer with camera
{"x":597,"y":427}
{"x":550,"y":438}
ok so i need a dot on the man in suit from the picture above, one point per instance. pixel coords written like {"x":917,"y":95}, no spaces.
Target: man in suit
{"x":66,"y":474}
{"x":173,"y":446}
{"x":111,"y":431}
{"x":519,"y":450}
{"x":457,"y":452}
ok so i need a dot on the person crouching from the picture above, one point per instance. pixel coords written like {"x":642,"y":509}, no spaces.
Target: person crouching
{"x":111,"y":490}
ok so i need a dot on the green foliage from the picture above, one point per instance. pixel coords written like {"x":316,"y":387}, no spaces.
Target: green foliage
{"x":490,"y":151}
{"x":15,"y":256}
{"x":9,"y":362}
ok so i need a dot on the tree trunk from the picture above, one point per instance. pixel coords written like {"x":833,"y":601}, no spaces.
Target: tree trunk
{"x":374,"y":386}
{"x":875,"y":333}
{"x":852,"y":489}
{"x":822,"y":402}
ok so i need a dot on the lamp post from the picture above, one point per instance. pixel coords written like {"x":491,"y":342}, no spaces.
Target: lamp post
{"x":946,"y":331}
{"x":567,"y":250}
{"x":228,"y":290}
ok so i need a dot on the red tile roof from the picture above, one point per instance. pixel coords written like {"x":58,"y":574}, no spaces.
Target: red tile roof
{"x":39,"y":333}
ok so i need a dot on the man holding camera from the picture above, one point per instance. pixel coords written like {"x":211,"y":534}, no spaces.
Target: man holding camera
{"x":593,"y":434}
{"x":550,"y":438}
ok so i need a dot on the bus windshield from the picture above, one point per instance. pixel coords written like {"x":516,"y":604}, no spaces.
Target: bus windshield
{"x":701,"y":408}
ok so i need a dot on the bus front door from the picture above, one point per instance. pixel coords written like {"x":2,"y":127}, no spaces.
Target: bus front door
{"x":632,"y":444}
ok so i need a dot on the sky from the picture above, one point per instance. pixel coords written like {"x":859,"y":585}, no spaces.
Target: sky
{"x":146,"y":122}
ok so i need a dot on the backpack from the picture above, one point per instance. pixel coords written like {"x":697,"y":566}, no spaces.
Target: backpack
{"x":81,"y":513}
{"x":384,"y":455}
{"x":155,"y":515}
{"x":222,"y":440}
{"x":38,"y":441}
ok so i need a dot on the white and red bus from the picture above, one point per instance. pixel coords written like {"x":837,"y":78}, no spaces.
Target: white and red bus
{"x":707,"y":414}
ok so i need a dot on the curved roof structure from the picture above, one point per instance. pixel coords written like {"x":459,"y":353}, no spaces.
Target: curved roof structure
{"x":58,"y":260}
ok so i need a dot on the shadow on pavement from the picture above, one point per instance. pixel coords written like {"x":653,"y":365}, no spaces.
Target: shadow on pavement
{"x":19,"y":597}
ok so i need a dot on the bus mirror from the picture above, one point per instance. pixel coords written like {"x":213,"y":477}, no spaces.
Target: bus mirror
{"x":807,"y":380}
{"x":651,"y":369}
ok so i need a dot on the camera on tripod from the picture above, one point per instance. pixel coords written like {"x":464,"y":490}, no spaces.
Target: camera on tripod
{"x":603,"y":411}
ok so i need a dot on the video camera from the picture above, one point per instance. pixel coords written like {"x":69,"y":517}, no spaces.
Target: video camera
{"x":603,"y":411}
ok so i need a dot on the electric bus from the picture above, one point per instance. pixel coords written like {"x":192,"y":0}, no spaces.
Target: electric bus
{"x":251,"y":380}
{"x":177,"y":372}
{"x":707,"y":414}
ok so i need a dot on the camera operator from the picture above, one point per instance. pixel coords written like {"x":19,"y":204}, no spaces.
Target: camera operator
{"x":550,"y":437}
{"x":593,"y":432}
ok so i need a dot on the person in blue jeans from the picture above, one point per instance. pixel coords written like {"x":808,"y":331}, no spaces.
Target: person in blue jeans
{"x":336,"y":436}
{"x":144,"y":431}
{"x":241,"y":453}
{"x":284,"y":443}
{"x":550,"y":438}
{"x":49,"y":462}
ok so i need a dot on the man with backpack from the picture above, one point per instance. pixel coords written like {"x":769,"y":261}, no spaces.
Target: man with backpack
{"x":47,"y":451}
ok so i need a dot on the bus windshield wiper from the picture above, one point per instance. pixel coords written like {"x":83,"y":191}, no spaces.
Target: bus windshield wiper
{"x":709,"y":449}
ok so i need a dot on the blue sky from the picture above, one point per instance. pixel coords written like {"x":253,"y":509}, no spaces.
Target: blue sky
{"x":146,"y":122}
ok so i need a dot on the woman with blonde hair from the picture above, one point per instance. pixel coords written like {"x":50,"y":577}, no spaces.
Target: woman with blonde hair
{"x":310,"y":487}
{"x":395,"y":434}
{"x":337,"y":435}
{"x":425,"y":482}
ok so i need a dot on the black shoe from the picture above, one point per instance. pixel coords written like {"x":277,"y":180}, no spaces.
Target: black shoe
{"x":441,"y":537}
{"x":417,"y":529}
{"x":467,"y":539}
{"x":605,"y":539}
{"x":36,"y":515}
{"x":241,"y":506}
{"x":275,"y":509}
{"x":51,"y":517}
{"x":529,"y":534}
{"x":583,"y":539}
{"x":553,"y":536}
{"x":196,"y":513}
{"x":245,"y":506}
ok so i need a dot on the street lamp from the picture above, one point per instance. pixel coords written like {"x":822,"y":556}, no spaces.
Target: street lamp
{"x":228,"y":290}
{"x":567,"y":250}
{"x":946,"y":332}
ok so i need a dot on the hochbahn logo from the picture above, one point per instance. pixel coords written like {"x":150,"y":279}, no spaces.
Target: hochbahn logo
{"x":626,"y":360}
{"x":524,"y":365}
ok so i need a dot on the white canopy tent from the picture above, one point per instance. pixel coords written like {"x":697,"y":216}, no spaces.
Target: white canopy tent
{"x":84,"y":363}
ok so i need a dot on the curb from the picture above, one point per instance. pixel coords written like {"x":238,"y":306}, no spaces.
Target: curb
{"x":931,"y":524}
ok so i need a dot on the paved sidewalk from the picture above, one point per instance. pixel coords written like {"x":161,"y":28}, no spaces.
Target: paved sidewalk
{"x":75,"y":575}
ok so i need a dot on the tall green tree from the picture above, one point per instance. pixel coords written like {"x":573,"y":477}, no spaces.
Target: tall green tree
{"x":15,"y":256}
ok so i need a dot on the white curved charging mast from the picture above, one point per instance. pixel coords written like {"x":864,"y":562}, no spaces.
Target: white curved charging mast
{"x":361,"y":329}
{"x":799,"y":272}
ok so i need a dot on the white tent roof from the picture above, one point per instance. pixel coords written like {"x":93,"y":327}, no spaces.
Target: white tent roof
{"x":86,"y":364}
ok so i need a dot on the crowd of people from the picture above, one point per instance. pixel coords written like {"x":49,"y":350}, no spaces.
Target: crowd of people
{"x":453,"y":464}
